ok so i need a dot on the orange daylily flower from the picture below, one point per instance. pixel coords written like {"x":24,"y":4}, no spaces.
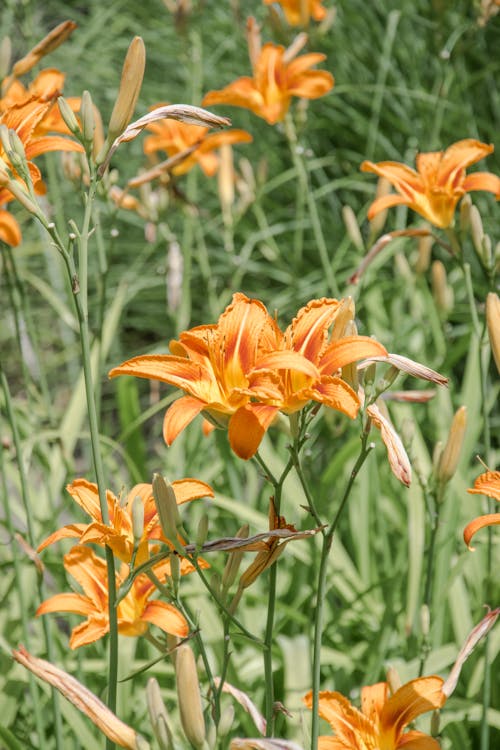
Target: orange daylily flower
{"x":434,"y":190}
{"x":486,"y":484}
{"x":177,"y":137}
{"x":298,"y":12}
{"x":119,"y":534}
{"x":135,"y":611}
{"x":244,"y":370}
{"x":276,"y":78}
{"x":383,"y":717}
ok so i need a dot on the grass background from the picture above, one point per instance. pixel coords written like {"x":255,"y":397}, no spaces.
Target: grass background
{"x":409,"y":76}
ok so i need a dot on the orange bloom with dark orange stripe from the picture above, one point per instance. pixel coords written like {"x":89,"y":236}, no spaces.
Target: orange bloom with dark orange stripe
{"x":277,"y":76}
{"x":242,"y":371}
{"x":383,"y":717}
{"x":486,"y":484}
{"x":135,"y":612}
{"x":435,"y":188}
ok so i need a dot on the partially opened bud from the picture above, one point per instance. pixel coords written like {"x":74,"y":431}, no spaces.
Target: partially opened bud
{"x":130,"y":86}
{"x":188,"y":693}
{"x":493,"y":323}
{"x":451,"y":453}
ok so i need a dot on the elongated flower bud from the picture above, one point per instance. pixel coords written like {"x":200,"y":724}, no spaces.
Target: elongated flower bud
{"x":493,"y":323}
{"x":442,"y":292}
{"x":188,"y":693}
{"x":68,"y":116}
{"x":352,"y":227}
{"x":137,"y":518}
{"x":49,"y":43}
{"x":451,"y":453}
{"x":424,"y":253}
{"x":168,"y":512}
{"x":158,"y":715}
{"x":130,"y":86}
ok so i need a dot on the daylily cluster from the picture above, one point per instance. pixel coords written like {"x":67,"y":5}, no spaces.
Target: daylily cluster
{"x":383,"y":717}
{"x":439,"y":182}
{"x":244,"y":370}
{"x":32,"y":113}
{"x":132,"y":548}
{"x":278,"y":75}
{"x":486,"y":484}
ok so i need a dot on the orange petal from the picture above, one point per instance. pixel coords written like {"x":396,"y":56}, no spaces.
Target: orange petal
{"x":75,"y":603}
{"x":487,"y":484}
{"x":216,"y":140}
{"x":411,"y":700}
{"x":308,"y":332}
{"x":483,"y":181}
{"x":48,"y":83}
{"x":288,"y":360}
{"x":491,"y":519}
{"x":72,"y":531}
{"x":312,"y":84}
{"x":417,"y":741}
{"x":349,"y":349}
{"x":459,"y":156}
{"x":166,"y":617}
{"x":90,"y":572}
{"x":89,"y":631}
{"x":384,"y":202}
{"x":46,"y":143}
{"x":337,"y":394}
{"x":179,"y":415}
{"x":9,"y":229}
{"x":247,"y":427}
{"x":239,"y":93}
{"x":404,"y":179}
{"x":86,"y":495}
{"x":373,"y":699}
{"x":190,"y":489}
{"x":167,"y":368}
{"x":346,"y":721}
{"x":300,"y":64}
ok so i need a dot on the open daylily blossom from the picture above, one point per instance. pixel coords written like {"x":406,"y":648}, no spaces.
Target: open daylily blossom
{"x":178,"y":137}
{"x":242,"y":371}
{"x":298,"y":12}
{"x":24,"y":119}
{"x":435,"y":188}
{"x":486,"y":484}
{"x":383,"y":717}
{"x":135,"y":611}
{"x":277,"y":76}
{"x":119,"y":534}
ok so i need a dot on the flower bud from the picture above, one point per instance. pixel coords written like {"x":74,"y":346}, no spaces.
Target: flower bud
{"x":493,"y":323}
{"x":88,"y":120}
{"x":49,"y":43}
{"x":442,"y":292}
{"x":130,"y":86}
{"x":175,"y":572}
{"x":68,"y":116}
{"x":158,"y":715}
{"x":378,"y":221}
{"x":137,"y":519}
{"x":451,"y":453}
{"x":168,"y":512}
{"x":393,"y":679}
{"x":424,"y":253}
{"x":477,"y":231}
{"x":425,"y":620}
{"x":465,"y":209}
{"x":202,"y":532}
{"x":352,"y":227}
{"x":188,"y":693}
{"x":5,"y":55}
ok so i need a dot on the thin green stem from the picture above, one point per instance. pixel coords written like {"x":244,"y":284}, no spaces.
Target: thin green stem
{"x":428,"y":578}
{"x":323,"y":566}
{"x":32,"y":542}
{"x":303,"y":177}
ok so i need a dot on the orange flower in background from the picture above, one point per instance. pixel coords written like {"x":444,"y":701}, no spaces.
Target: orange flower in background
{"x":277,"y":76}
{"x":486,"y":484}
{"x":383,"y":717}
{"x":174,"y":138}
{"x":135,"y":611}
{"x":119,"y":534}
{"x":434,"y":190}
{"x":298,"y":12}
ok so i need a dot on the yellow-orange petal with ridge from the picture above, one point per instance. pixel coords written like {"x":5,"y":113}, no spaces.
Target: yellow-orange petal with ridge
{"x":89,"y":631}
{"x":167,"y":368}
{"x":10,"y":233}
{"x":399,"y":175}
{"x":483,"y":181}
{"x":72,"y":531}
{"x":308,"y":332}
{"x":337,"y":394}
{"x":247,"y":427}
{"x":385,"y":202}
{"x":75,"y":603}
{"x":287,"y":360}
{"x":190,"y":489}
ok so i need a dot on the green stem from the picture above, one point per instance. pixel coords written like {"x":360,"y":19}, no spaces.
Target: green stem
{"x":303,"y":176}
{"x":39,"y":582}
{"x":428,"y":577}
{"x":318,"y":617}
